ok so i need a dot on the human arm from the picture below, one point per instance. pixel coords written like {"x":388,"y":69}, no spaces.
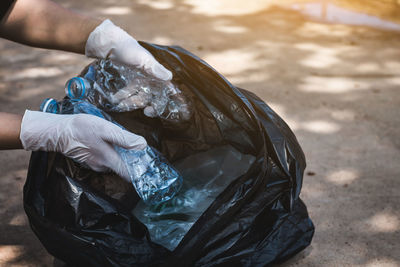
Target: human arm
{"x":85,"y":138}
{"x":45,"y":24}
{"x":10,"y":126}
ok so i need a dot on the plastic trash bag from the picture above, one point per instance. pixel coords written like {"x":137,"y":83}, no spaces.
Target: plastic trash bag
{"x":255,"y":218}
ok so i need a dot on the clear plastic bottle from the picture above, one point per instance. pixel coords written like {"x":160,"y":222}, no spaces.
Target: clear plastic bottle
{"x":118,"y":88}
{"x":78,"y":88}
{"x":154,"y":179}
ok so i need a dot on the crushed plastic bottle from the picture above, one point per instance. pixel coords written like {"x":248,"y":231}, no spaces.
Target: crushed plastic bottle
{"x":154,"y":179}
{"x":119,"y":88}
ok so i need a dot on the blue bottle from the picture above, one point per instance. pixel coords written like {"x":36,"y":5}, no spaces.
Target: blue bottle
{"x":78,"y":88}
{"x":49,"y":105}
{"x":154,"y":179}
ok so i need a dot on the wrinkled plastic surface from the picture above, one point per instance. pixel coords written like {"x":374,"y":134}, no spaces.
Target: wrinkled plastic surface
{"x":154,"y":179}
{"x":117,"y":87}
{"x":258,"y":218}
{"x":206,"y":175}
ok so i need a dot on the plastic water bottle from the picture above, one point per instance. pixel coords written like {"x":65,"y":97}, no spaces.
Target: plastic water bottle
{"x":49,"y":105}
{"x":154,"y":179}
{"x":119,"y":88}
{"x":78,"y":88}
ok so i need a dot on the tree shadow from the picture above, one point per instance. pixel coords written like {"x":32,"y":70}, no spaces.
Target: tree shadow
{"x":335,"y":85}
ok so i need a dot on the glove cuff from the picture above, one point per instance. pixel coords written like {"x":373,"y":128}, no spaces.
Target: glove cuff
{"x":36,"y":131}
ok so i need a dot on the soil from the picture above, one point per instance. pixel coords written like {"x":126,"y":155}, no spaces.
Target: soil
{"x":337,"y":86}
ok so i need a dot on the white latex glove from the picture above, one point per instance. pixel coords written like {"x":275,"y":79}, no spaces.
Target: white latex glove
{"x":85,"y":138}
{"x":108,"y":40}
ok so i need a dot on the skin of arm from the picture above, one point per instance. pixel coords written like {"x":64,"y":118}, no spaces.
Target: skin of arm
{"x":44,"y":24}
{"x":10,"y":127}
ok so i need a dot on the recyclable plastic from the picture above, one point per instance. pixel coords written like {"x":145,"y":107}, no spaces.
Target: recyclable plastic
{"x":78,"y":88}
{"x":49,"y":105}
{"x":255,"y":218}
{"x":206,"y":175}
{"x":153,"y":178}
{"x":119,"y":88}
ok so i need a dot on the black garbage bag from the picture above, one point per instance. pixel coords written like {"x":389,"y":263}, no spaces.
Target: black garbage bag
{"x":258,"y":219}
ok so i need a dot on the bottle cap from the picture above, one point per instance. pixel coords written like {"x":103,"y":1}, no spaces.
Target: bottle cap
{"x":75,"y":88}
{"x":49,"y":105}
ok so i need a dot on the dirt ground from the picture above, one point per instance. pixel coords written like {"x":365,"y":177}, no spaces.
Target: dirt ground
{"x":337,"y":86}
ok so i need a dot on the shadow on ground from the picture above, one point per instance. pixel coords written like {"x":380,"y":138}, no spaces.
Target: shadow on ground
{"x":337,"y":87}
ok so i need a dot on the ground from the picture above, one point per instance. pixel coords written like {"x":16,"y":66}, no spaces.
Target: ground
{"x":337,"y":86}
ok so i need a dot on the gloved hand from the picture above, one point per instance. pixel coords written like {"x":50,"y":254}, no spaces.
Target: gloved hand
{"x":85,"y":138}
{"x":108,"y":40}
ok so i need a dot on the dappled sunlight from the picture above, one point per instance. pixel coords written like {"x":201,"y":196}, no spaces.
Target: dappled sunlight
{"x":235,"y":61}
{"x":368,"y":67}
{"x":335,"y":85}
{"x":240,"y":65}
{"x":162,"y":40}
{"x":228,"y":7}
{"x":13,"y":58}
{"x":121,"y":10}
{"x":343,"y":115}
{"x":34,"y":73}
{"x":321,"y":58}
{"x":384,"y":222}
{"x":315,"y":192}
{"x":343,"y":177}
{"x":331,"y":85}
{"x":225,"y":27}
{"x":63,"y":60}
{"x":19,"y":219}
{"x":394,"y":65}
{"x":254,"y":76}
{"x":28,"y":93}
{"x":8,"y":253}
{"x":157,"y":4}
{"x":313,"y":29}
{"x":381,"y":262}
{"x":394,"y":81}
{"x":269,"y":44}
{"x":320,"y":127}
{"x":282,"y":111}
{"x":61,"y":56}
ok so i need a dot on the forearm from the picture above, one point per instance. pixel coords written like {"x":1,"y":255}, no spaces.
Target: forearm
{"x":45,"y":24}
{"x":10,"y":127}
